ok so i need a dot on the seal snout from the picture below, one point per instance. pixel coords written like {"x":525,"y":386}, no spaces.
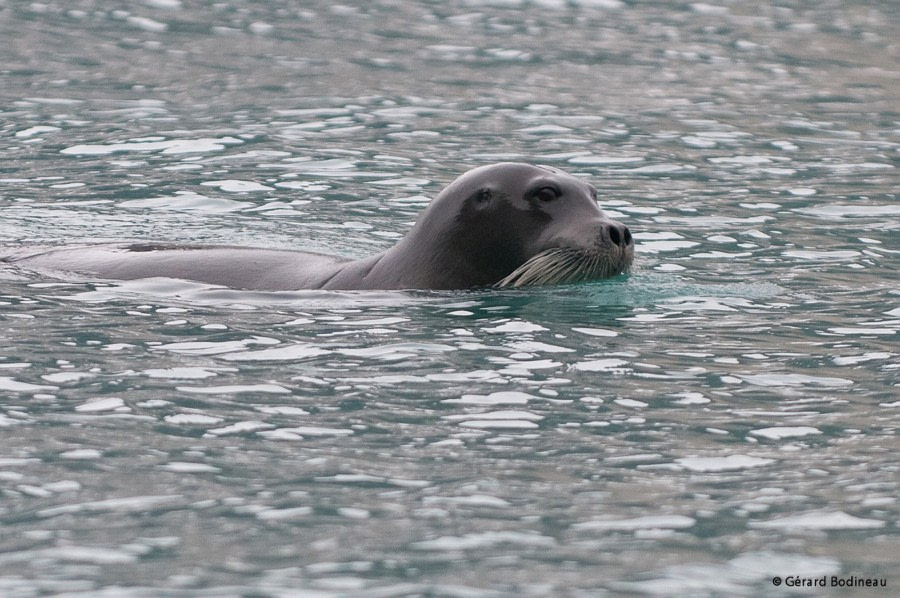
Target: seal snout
{"x":594,"y":249}
{"x":617,"y":233}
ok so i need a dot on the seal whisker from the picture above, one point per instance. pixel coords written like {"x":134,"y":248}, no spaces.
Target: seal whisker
{"x":584,"y":270}
{"x":555,"y":265}
{"x":597,"y":268}
{"x":560,"y":265}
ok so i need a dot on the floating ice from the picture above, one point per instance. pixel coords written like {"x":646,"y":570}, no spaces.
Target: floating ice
{"x":184,"y":373}
{"x":88,"y":554}
{"x":110,"y":404}
{"x":128,"y":504}
{"x":13,"y":385}
{"x":510,"y":419}
{"x":475,"y":500}
{"x":289,"y":353}
{"x":189,"y":467}
{"x":536,"y":347}
{"x":239,"y":428}
{"x":172,"y":146}
{"x":637,"y":523}
{"x":281,"y":514}
{"x":192,"y":418}
{"x":795,"y":380}
{"x":236,"y":186}
{"x":187,"y":201}
{"x":515,"y":326}
{"x":216,"y":348}
{"x":729,"y":463}
{"x":64,"y":377}
{"x":821,"y":520}
{"x":778,"y":433}
{"x":601,"y":365}
{"x":605,"y":160}
{"x":31,"y":131}
{"x":505,"y":424}
{"x":630,"y":403}
{"x":510,"y":397}
{"x":302,"y":431}
{"x":663,"y":246}
{"x":862,"y":331}
{"x":837,"y":210}
{"x":596,"y":332}
{"x":147,"y":24}
{"x":485,"y":540}
{"x":218,"y":390}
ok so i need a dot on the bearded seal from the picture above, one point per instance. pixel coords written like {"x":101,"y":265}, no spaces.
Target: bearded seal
{"x":503,"y":225}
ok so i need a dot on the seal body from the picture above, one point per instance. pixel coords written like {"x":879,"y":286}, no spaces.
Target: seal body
{"x":508,"y":224}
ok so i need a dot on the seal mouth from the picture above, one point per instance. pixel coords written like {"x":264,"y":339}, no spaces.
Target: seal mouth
{"x":562,"y":265}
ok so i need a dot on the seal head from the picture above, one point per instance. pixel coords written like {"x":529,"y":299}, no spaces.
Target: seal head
{"x":508,"y":225}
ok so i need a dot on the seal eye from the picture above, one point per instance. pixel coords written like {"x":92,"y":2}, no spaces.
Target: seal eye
{"x":482,"y":196}
{"x":546,"y":194}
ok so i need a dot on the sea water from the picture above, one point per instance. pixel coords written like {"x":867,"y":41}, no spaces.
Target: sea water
{"x":724,"y":415}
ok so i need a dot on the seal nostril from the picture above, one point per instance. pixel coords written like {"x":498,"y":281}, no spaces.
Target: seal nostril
{"x":628,"y":239}
{"x":614,"y":235}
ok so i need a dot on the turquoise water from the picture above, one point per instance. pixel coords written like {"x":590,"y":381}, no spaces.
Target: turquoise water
{"x":725,"y":414}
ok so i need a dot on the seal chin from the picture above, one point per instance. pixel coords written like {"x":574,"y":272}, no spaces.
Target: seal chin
{"x":567,"y":265}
